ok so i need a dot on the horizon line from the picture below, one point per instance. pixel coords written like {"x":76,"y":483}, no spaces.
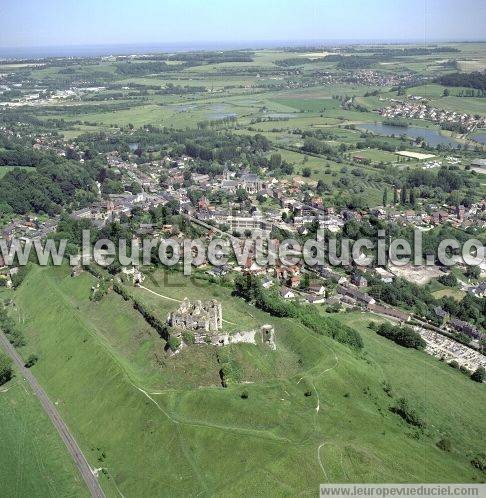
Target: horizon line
{"x":242,"y":44}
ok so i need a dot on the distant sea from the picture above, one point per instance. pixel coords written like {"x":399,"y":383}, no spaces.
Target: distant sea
{"x":150,"y":48}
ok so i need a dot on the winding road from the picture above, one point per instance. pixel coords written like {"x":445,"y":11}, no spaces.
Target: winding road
{"x":75,"y":451}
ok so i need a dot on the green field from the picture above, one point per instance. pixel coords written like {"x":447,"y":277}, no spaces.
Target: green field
{"x":454,"y":293}
{"x":376,"y":155}
{"x":162,"y":422}
{"x":33,"y":459}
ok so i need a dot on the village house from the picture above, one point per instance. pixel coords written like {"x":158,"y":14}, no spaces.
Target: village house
{"x":391,"y":312}
{"x":479,"y":290}
{"x":267,"y":282}
{"x":441,"y":314}
{"x":355,"y":294}
{"x":359,"y":280}
{"x":464,"y":327}
{"x":385,"y":276}
{"x":287,"y":293}
{"x":316,"y":288}
{"x":315,"y":299}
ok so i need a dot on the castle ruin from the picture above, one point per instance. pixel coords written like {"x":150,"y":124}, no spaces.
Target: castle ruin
{"x":197,"y":315}
{"x":205,"y":319}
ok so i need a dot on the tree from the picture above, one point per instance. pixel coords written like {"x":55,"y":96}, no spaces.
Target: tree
{"x":479,"y":375}
{"x":403,"y":196}
{"x":275,"y":161}
{"x":449,"y":280}
{"x":31,"y":360}
{"x":412,"y":197}
{"x":306,"y":172}
{"x":72,"y":154}
{"x":446,"y":92}
{"x":305,"y":281}
{"x":395,"y":196}
{"x":385,"y":197}
{"x":241,"y":195}
{"x":473,"y":272}
{"x":135,"y":188}
{"x":5,"y":369}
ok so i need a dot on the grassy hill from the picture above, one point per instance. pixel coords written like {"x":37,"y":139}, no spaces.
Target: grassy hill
{"x":163,"y":425}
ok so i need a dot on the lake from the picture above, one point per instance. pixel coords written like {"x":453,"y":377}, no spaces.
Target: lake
{"x":432,"y":137}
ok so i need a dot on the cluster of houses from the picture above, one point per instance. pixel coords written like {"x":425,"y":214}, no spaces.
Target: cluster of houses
{"x":28,"y":228}
{"x":456,"y":325}
{"x":117,"y":205}
{"x":419,"y":109}
{"x":370,"y":77}
{"x":458,"y":216}
{"x":43,"y":96}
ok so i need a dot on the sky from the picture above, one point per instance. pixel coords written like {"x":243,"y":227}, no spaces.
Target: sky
{"x":42,"y":23}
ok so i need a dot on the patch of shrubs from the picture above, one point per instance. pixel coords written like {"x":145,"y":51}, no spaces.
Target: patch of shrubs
{"x":152,"y":320}
{"x":445,"y":445}
{"x":404,"y":336}
{"x":119,"y":289}
{"x":14,"y":335}
{"x":18,"y":278}
{"x":479,"y":375}
{"x":388,"y":389}
{"x":173,"y":343}
{"x":479,"y":462}
{"x":188,"y":337}
{"x":5,"y":369}
{"x":409,"y":414}
{"x":331,"y":327}
{"x":449,"y":280}
{"x":31,"y":360}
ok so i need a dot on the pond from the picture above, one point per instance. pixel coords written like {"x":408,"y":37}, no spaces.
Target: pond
{"x":480,"y":137}
{"x":182,"y":107}
{"x":221,"y":111}
{"x":278,"y":115}
{"x":432,"y":137}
